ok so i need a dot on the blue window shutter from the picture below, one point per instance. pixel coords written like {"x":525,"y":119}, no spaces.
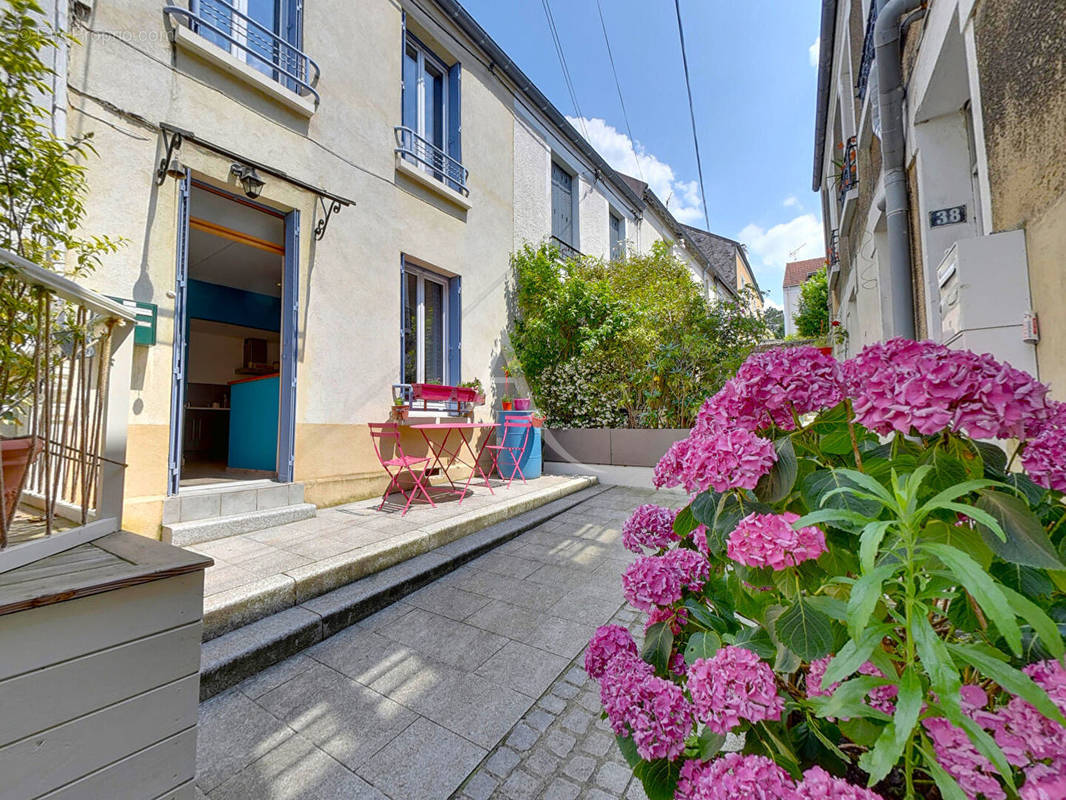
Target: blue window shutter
{"x":455,"y":116}
{"x":455,"y":330}
{"x":403,"y":317}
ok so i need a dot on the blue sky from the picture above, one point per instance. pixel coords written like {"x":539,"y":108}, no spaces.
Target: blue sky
{"x":753,"y":84}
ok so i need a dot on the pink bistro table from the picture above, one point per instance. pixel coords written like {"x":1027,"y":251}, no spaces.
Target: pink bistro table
{"x":445,"y":458}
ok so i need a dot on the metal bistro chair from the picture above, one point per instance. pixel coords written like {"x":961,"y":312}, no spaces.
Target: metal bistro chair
{"x":415,"y":466}
{"x":515,"y":453}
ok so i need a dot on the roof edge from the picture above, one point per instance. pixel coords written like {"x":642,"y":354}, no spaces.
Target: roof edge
{"x":825,"y":70}
{"x":461,"y":17}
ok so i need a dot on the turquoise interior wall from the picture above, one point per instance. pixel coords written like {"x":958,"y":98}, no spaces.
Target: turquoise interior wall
{"x":235,"y":306}
{"x":253,"y":425}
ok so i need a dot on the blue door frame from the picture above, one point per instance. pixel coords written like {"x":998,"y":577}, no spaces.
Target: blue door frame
{"x":289,"y":337}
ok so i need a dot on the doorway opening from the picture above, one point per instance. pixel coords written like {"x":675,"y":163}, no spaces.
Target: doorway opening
{"x":236,"y":268}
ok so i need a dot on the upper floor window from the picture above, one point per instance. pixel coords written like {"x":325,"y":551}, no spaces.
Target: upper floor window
{"x":562,"y":205}
{"x":265,"y":34}
{"x":617,"y":232}
{"x":430,"y":133}
{"x":432,"y":325}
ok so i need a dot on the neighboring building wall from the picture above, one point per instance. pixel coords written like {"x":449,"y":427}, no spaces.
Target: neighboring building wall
{"x":985,"y":114}
{"x":1021,"y":56}
{"x":791,"y":301}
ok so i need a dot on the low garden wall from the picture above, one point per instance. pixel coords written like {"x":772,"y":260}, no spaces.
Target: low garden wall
{"x":620,"y":447}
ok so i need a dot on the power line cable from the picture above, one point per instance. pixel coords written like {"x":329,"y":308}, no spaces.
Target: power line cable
{"x":562,"y":63}
{"x":692,"y":114}
{"x":618,"y":86}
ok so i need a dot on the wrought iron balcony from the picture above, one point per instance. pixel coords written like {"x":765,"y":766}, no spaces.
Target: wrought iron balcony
{"x":867,"y":53}
{"x":849,"y":170}
{"x":415,"y":148}
{"x":833,"y":256}
{"x":566,"y":250}
{"x":250,"y":41}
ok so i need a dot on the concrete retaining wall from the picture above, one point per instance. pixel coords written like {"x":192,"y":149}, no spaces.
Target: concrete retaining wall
{"x":622,"y":447}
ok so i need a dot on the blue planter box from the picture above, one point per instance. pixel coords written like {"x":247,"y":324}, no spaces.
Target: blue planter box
{"x":530,"y":461}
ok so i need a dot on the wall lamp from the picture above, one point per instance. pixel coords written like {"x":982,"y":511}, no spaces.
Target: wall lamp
{"x":249,"y":178}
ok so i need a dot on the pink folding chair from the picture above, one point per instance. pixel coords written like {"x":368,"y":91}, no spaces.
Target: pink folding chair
{"x":514,"y":452}
{"x":415,"y":466}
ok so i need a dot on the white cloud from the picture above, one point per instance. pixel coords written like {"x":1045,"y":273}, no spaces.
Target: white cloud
{"x":624,"y":155}
{"x":769,"y":248}
{"x":813,"y":52}
{"x":791,"y":202}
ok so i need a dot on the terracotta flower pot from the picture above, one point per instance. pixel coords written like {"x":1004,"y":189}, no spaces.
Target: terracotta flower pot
{"x":827,"y":350}
{"x":17,"y":456}
{"x":536,"y":422}
{"x":506,"y":405}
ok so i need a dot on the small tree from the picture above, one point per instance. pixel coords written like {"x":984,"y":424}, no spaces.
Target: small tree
{"x":42,"y":191}
{"x":774,"y":318}
{"x":812,"y":318}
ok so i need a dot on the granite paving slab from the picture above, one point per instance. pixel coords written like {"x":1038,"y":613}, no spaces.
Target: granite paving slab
{"x":468,"y":688}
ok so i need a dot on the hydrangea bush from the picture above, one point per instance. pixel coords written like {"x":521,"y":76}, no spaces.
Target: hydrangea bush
{"x":865,"y":590}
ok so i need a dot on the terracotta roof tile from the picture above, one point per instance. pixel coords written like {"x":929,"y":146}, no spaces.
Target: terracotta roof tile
{"x":797,"y":272}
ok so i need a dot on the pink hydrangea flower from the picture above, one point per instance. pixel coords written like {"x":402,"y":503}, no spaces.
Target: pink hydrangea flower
{"x":699,"y":538}
{"x":677,"y":617}
{"x":1051,"y":677}
{"x":651,"y":581}
{"x":607,"y":643}
{"x":732,"y":686}
{"x":650,"y":527}
{"x":652,"y":710}
{"x":900,"y":385}
{"x":768,"y":540}
{"x":618,"y":684}
{"x":1045,"y":782}
{"x":961,"y":760}
{"x":817,"y":784}
{"x":879,"y":697}
{"x":735,"y":777}
{"x":770,"y":386}
{"x":692,"y":567}
{"x":1044,"y":458}
{"x":723,"y":458}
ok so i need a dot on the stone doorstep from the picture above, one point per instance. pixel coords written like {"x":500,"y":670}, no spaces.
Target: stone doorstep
{"x":231,"y":609}
{"x":182,"y":534}
{"x":230,"y":658}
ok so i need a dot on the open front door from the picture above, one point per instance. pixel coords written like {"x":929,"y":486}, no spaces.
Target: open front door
{"x":290,"y":300}
{"x":180,"y":343}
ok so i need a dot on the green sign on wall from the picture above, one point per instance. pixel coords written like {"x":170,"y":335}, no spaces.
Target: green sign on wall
{"x":146,"y":313}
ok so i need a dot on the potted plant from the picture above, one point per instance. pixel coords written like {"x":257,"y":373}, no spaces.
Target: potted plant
{"x":477,"y":395}
{"x":507,"y":402}
{"x":399,"y":410}
{"x":537,"y":420}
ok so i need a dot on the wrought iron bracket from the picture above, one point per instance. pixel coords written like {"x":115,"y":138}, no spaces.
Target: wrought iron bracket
{"x":327,"y":212}
{"x":173,"y":143}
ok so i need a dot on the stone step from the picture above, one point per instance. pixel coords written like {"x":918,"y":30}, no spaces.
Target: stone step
{"x":228,"y":499}
{"x":211,"y":528}
{"x":238,"y":654}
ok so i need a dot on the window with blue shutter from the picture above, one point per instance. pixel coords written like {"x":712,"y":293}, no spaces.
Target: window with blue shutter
{"x":430,"y":135}
{"x":431,"y":326}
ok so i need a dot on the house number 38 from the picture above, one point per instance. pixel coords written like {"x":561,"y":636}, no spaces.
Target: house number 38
{"x":947,"y":216}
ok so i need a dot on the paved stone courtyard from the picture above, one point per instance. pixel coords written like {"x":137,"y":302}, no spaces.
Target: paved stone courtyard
{"x":469,"y":688}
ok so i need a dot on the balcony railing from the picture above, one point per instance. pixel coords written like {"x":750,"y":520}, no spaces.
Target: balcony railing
{"x":833,"y":256}
{"x":566,"y":250}
{"x":65,"y":359}
{"x":432,"y":159}
{"x":849,"y":170}
{"x":867,"y":53}
{"x":251,"y":42}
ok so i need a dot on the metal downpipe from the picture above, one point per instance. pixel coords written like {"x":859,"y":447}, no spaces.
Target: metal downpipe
{"x":893,"y":154}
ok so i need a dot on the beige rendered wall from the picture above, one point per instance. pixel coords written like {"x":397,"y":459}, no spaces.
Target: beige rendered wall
{"x":1021,"y":53}
{"x":349,"y":300}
